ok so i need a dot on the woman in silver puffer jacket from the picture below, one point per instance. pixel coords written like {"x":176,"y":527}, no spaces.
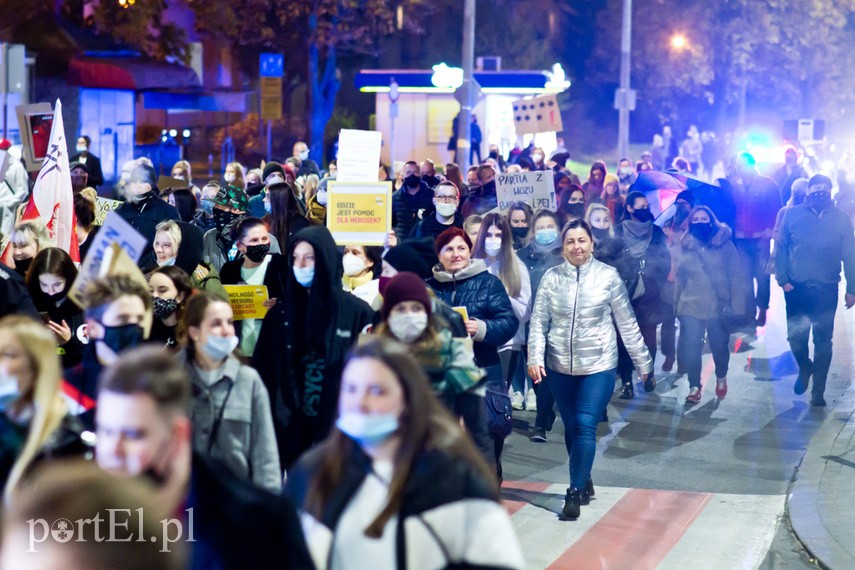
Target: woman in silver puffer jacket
{"x":573,"y":346}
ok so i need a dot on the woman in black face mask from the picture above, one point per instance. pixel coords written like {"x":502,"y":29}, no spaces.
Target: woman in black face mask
{"x":648,"y":263}
{"x":519,"y":216}
{"x":255,"y":265}
{"x":50,"y":277}
{"x":571,"y":204}
{"x":708,"y":292}
{"x":26,"y":240}
{"x":170,"y":289}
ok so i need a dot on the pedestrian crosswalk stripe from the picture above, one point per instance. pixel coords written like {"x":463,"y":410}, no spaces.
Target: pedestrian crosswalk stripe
{"x":638,"y":528}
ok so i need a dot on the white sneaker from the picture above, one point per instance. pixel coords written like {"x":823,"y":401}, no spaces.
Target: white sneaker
{"x":517,"y":401}
{"x":531,"y":401}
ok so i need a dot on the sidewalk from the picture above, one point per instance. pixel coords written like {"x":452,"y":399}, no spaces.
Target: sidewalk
{"x":821,"y":506}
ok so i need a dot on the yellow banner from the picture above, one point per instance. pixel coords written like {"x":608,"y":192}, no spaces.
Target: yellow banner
{"x":359,"y":212}
{"x":247,"y":301}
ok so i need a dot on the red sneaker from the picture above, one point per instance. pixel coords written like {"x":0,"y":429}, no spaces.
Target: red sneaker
{"x":720,"y":387}
{"x":694,"y":395}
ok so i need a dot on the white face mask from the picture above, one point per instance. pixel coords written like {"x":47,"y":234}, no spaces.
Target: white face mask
{"x":304,"y":155}
{"x":446,"y":210}
{"x":229,"y":177}
{"x":625,"y":171}
{"x":493,"y":245}
{"x":407,"y":327}
{"x":81,"y":148}
{"x":178,"y":176}
{"x":353,"y":264}
{"x":126,"y":175}
{"x":537,"y":157}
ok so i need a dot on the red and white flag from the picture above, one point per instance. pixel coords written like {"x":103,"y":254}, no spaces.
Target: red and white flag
{"x":52,"y":199}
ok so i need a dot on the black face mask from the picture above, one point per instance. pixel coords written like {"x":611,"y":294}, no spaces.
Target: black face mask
{"x":164,"y":307}
{"x":412,"y":181}
{"x":223,"y":219}
{"x":818,"y":201}
{"x":22,"y":265}
{"x":642,"y":215}
{"x":702,"y":231}
{"x":576,"y":209}
{"x":119,"y":338}
{"x":519,"y":233}
{"x":431,"y":181}
{"x":494,"y":155}
{"x":257,"y":253}
{"x":599,"y":234}
{"x":488,"y":187}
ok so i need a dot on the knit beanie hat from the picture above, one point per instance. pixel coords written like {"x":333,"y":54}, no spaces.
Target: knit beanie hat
{"x":688,"y":196}
{"x":405,"y":286}
{"x":270,"y":168}
{"x":404,"y":257}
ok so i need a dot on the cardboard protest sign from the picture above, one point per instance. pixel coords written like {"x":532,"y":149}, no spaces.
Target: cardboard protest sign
{"x":115,"y":230}
{"x":537,"y":115}
{"x":104,"y":206}
{"x":535,"y":188}
{"x":359,"y":212}
{"x":358,"y":157}
{"x":164,"y":182}
{"x":247,"y":301}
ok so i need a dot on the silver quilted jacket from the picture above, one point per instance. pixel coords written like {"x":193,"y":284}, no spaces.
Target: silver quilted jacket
{"x":571,"y":328}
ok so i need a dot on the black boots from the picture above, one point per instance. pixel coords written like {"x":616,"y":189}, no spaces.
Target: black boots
{"x":626,"y":391}
{"x":572,"y":504}
{"x":575,"y":499}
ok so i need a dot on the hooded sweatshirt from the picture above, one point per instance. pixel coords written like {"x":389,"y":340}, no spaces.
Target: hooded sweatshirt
{"x":302,"y":344}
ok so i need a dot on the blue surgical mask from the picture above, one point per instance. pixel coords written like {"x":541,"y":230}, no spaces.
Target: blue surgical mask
{"x":367,"y":429}
{"x":321,"y":197}
{"x":304,"y":275}
{"x":267,"y":207}
{"x":9,"y":391}
{"x":219,"y":347}
{"x":207,"y":207}
{"x":167,"y":263}
{"x":546,"y":237}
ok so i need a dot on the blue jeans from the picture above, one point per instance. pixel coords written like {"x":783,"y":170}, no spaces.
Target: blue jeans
{"x":581,"y":401}
{"x":692,"y":346}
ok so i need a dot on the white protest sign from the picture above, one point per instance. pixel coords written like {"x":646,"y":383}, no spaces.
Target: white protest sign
{"x":115,"y":230}
{"x":534,"y":188}
{"x":358,"y":157}
{"x":104,"y":206}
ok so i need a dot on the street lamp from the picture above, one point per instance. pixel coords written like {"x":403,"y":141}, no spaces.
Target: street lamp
{"x":679,"y":42}
{"x":393,"y":114}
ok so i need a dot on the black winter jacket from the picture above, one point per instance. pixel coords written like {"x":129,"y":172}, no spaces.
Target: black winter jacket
{"x":538,"y":262}
{"x":651,"y":269}
{"x":428,"y":226}
{"x":408,"y":209}
{"x":302,"y":345}
{"x":486,"y":300}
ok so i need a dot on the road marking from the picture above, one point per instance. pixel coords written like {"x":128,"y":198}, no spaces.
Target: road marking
{"x":638,"y":528}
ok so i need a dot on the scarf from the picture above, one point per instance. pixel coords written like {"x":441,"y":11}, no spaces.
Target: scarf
{"x":637,"y":236}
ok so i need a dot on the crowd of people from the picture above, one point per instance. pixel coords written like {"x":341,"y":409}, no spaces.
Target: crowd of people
{"x":361,"y":422}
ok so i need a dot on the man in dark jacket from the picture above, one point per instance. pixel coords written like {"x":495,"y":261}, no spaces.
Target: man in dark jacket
{"x":757,"y":200}
{"x":304,"y":339}
{"x":789,"y":173}
{"x":88,"y":160}
{"x":814,"y":239}
{"x":411,"y":201}
{"x":481,"y":199}
{"x":144,"y":209}
{"x":144,"y":430}
{"x":446,"y":198}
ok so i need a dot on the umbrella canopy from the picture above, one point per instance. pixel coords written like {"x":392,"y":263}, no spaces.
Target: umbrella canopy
{"x":662,"y":188}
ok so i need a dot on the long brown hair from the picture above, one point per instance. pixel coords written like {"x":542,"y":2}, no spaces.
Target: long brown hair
{"x":425,"y":424}
{"x":509,"y":271}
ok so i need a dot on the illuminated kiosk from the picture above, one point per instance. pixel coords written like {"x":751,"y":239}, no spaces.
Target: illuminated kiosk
{"x":427,"y":106}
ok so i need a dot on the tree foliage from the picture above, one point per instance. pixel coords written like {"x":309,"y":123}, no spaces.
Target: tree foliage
{"x":791,"y":56}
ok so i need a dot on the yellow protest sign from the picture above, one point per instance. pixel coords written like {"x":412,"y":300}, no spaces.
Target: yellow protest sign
{"x":463,"y":312}
{"x":359,"y":212}
{"x":247,"y":301}
{"x":104,"y":206}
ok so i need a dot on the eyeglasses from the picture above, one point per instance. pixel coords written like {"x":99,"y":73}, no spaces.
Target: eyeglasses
{"x":446,"y":199}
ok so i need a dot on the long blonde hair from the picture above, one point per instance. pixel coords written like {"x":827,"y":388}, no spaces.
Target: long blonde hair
{"x":48,"y":406}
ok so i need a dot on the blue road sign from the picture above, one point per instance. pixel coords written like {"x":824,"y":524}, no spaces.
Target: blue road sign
{"x":271,"y":64}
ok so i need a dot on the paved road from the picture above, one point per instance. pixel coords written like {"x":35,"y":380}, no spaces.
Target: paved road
{"x":679,"y":486}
